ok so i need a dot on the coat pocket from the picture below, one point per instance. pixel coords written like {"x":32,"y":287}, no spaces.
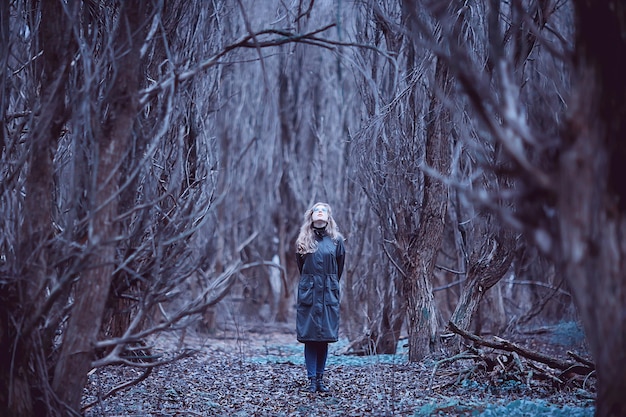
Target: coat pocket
{"x":333,"y":294}
{"x":305,"y":292}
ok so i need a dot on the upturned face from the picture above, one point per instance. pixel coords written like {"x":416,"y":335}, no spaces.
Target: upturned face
{"x":320,"y":214}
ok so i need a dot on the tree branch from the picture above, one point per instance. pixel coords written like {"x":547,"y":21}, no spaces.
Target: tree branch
{"x":505,"y":345}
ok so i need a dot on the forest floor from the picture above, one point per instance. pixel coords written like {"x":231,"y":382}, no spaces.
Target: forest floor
{"x":260,"y":372}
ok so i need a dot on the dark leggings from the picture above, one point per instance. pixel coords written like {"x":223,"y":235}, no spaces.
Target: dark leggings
{"x":315,"y":354}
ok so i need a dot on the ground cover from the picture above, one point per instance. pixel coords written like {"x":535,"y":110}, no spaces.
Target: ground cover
{"x":255,"y":372}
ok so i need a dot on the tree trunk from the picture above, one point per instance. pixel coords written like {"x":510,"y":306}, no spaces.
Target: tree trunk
{"x":594,"y":252}
{"x":424,"y":247}
{"x":77,"y":352}
{"x":285,"y":195}
{"x":593,"y":195}
{"x":487,"y":266}
{"x":36,"y":230}
{"x":4,"y":68}
{"x":593,"y":246}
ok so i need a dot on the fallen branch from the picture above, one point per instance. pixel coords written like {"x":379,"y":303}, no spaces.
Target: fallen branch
{"x":462,"y":355}
{"x":502,"y":344}
{"x":581,"y":359}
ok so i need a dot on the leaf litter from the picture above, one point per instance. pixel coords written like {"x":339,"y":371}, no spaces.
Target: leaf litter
{"x":261,"y":373}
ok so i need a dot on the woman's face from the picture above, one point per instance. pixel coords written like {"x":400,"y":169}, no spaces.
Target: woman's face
{"x":320,"y":214}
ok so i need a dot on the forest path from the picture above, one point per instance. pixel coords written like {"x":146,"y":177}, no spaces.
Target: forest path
{"x":260,"y":372}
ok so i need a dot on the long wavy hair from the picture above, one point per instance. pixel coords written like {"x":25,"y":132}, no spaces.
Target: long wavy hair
{"x":306,"y":243}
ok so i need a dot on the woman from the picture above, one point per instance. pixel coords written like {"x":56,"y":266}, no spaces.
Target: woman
{"x":320,"y":256}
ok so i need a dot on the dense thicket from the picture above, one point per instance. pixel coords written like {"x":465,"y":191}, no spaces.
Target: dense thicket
{"x":157,"y":158}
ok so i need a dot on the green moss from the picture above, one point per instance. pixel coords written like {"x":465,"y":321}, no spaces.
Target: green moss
{"x":524,"y":408}
{"x":517,"y":408}
{"x":568,"y":333}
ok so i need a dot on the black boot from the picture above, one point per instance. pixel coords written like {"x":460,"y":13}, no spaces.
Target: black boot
{"x":313,"y":385}
{"x":321,"y":387}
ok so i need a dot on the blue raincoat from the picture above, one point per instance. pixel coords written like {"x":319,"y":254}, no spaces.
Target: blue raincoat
{"x":317,"y":309}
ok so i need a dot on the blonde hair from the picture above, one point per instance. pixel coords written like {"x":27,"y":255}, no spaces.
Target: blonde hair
{"x":306,"y":243}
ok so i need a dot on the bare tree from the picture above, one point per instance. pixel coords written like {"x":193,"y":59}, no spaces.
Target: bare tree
{"x":423,"y":247}
{"x":565,"y":162}
{"x":155,"y":158}
{"x":36,"y":230}
{"x":411,"y":208}
{"x":112,"y":139}
{"x":591,"y":196}
{"x":119,"y":175}
{"x":384,"y":151}
{"x":488,"y":263}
